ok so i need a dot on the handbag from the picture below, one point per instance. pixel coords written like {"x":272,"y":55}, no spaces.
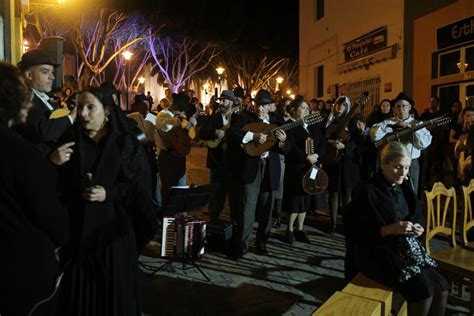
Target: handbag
{"x":412,"y":258}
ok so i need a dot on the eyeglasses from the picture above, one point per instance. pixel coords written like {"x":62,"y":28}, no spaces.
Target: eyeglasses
{"x":402,"y":105}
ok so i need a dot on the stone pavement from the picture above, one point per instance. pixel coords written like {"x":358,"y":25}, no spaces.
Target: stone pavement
{"x":292,"y":280}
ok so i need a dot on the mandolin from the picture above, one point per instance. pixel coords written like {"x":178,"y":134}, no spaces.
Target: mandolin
{"x":315,"y":180}
{"x":337,"y":131}
{"x":254,"y":149}
{"x":395,"y":136}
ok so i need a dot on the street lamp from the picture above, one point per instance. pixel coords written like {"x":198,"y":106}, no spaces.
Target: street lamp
{"x":279,"y":81}
{"x":141,"y":80}
{"x":220,"y":70}
{"x":127,"y":55}
{"x":26,"y":46}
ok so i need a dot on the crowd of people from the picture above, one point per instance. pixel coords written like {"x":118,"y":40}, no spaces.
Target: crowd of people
{"x":82,"y":187}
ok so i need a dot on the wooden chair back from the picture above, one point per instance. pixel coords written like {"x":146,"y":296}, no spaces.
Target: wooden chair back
{"x":468,"y":220}
{"x":439,"y":202}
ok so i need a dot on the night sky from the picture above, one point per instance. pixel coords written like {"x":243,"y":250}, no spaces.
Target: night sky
{"x":270,"y":27}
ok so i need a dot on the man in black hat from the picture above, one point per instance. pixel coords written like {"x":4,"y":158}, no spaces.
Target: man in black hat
{"x":213,"y":131}
{"x":43,"y":131}
{"x":415,"y":142}
{"x":239,"y":95}
{"x":258,"y":177}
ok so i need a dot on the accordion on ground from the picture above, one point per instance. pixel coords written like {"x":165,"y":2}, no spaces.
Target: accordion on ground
{"x":183,"y":237}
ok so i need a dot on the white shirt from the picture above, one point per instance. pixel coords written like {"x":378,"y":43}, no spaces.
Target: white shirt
{"x":225,"y":120}
{"x":420,"y":139}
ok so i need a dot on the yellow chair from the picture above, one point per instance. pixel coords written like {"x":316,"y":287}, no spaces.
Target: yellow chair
{"x":468,"y":219}
{"x":454,"y":259}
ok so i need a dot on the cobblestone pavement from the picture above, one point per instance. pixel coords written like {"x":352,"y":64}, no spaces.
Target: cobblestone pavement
{"x":291,"y":280}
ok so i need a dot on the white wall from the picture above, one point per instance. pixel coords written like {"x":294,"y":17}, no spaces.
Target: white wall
{"x":345,"y":20}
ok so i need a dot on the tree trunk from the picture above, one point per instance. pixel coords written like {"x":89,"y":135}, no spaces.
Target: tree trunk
{"x":85,"y":78}
{"x":174,"y":89}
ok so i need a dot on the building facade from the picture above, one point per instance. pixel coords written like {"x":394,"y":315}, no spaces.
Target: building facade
{"x":347,"y":49}
{"x":443,"y":55}
{"x":350,"y":46}
{"x":11,"y":30}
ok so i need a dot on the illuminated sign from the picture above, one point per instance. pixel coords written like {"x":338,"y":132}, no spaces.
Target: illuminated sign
{"x":455,"y":33}
{"x":366,"y":44}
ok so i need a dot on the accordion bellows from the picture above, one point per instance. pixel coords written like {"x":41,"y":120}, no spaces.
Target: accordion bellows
{"x":183,"y":237}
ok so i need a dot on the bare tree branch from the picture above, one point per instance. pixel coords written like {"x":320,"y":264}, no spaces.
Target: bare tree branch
{"x":180,"y":59}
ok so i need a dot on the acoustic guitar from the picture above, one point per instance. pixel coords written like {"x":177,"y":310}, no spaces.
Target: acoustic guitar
{"x":216,"y":142}
{"x":315,"y":180}
{"x":395,"y":136}
{"x":254,"y":149}
{"x":337,"y":130}
{"x":177,"y":141}
{"x":188,"y":126}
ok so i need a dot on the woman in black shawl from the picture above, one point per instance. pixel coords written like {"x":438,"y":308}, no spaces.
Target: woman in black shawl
{"x":33,"y":223}
{"x":382,"y":226}
{"x":106,"y":188}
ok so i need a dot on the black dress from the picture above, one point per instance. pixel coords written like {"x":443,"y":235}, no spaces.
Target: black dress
{"x":101,"y":266}
{"x":380,"y":258}
{"x":344,"y":174}
{"x":295,"y":199}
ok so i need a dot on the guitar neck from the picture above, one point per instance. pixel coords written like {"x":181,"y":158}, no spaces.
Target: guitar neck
{"x":310,"y":120}
{"x":287,"y":126}
{"x":414,"y":128}
{"x":345,"y":119}
{"x":410,"y":130}
{"x":195,"y":115}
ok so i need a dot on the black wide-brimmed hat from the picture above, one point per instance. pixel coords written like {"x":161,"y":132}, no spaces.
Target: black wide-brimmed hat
{"x":402,"y":96}
{"x":227,"y":95}
{"x":263,"y":97}
{"x":35,"y":57}
{"x":180,"y":100}
{"x":239,"y":92}
{"x":140,"y":98}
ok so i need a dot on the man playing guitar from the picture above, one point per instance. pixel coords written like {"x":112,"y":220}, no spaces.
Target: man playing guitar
{"x":213,"y":131}
{"x":416,"y":141}
{"x":258,"y":177}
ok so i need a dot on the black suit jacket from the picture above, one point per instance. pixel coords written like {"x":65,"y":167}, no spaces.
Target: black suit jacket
{"x":42,"y":131}
{"x":215,"y":156}
{"x":32,"y":224}
{"x":244,"y":167}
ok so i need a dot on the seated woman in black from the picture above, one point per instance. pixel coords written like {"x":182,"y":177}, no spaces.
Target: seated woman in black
{"x":382,"y":227}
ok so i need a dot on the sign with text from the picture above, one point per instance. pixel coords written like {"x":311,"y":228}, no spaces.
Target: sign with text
{"x":455,"y":33}
{"x":366,"y":44}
